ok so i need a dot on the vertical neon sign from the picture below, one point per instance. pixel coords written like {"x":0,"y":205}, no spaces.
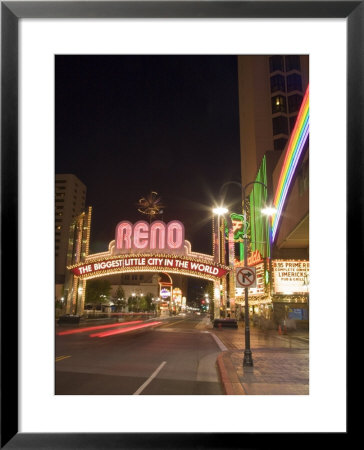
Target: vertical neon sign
{"x":294,"y":151}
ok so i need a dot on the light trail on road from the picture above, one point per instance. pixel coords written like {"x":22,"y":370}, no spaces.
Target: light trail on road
{"x":97,"y":327}
{"x":123,"y":330}
{"x":130,"y":362}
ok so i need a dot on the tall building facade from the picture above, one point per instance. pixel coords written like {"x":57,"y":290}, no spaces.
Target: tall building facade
{"x":273,"y":107}
{"x":70,"y":198}
{"x":77,"y":250}
{"x":271,"y":89}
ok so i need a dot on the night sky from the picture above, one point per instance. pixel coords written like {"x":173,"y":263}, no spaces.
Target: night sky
{"x":127,"y":125}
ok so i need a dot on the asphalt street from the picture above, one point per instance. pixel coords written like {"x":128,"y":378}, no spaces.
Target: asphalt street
{"x":171,"y":358}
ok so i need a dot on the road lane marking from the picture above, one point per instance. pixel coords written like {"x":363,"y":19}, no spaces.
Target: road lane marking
{"x":222,"y":347}
{"x":59,"y":358}
{"x":154,"y":374}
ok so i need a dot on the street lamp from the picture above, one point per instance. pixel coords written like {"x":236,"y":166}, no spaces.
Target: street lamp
{"x":248,"y":360}
{"x":220,"y":210}
{"x":269,"y":211}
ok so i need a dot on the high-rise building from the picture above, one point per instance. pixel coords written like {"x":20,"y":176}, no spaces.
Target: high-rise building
{"x":274,"y":112}
{"x":70,"y":196}
{"x":271,"y":89}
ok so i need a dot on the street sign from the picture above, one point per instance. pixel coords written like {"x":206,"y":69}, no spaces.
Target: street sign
{"x":246,"y":277}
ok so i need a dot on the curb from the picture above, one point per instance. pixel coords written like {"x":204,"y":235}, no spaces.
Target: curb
{"x":228,"y":375}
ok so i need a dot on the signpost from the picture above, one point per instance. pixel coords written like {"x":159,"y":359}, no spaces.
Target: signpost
{"x":246,"y":277}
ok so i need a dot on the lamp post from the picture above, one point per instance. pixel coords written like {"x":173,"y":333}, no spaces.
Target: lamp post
{"x":269,"y":211}
{"x":248,"y":359}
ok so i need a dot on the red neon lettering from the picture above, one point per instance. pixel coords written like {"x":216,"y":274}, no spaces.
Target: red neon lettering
{"x":123,"y":235}
{"x":175,"y":235}
{"x":254,"y":258}
{"x":141,"y":235}
{"x":157,"y":228}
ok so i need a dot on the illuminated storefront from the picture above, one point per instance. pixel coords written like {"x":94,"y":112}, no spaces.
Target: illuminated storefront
{"x":176,"y":300}
{"x":288,"y":296}
{"x":291,"y":289}
{"x":282,"y":243}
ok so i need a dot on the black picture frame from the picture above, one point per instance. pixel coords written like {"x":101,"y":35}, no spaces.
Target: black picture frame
{"x":11,"y":12}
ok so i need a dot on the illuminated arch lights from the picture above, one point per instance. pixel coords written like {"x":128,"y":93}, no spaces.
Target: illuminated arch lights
{"x":148,"y":262}
{"x":148,"y":247}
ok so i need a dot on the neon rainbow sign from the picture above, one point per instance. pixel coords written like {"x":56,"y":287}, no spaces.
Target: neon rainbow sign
{"x":294,"y":151}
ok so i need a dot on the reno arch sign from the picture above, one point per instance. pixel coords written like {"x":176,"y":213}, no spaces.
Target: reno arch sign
{"x":154,"y":247}
{"x":137,"y":263}
{"x":154,"y":237}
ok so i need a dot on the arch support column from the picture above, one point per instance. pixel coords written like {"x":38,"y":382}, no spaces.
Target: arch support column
{"x":217,"y":299}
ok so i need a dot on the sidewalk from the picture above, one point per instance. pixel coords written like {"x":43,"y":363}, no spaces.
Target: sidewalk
{"x":281,"y":362}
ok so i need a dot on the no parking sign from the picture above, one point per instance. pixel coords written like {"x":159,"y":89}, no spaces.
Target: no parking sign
{"x":245,"y":277}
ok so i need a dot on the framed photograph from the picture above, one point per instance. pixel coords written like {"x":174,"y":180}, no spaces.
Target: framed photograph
{"x":42,"y":43}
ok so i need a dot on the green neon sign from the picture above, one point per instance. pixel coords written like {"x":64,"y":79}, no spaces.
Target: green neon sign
{"x":238,"y":227}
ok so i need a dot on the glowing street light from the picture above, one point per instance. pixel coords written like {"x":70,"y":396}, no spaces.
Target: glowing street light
{"x":269,"y":211}
{"x":220,"y":210}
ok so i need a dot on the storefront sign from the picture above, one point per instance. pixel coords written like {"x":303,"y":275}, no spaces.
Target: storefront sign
{"x":254,"y":258}
{"x":290,"y":276}
{"x":165,"y":293}
{"x":237,"y":222}
{"x":177,"y":295}
{"x":123,"y":264}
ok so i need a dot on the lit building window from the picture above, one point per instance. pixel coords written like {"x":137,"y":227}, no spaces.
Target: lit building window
{"x":278,"y":104}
